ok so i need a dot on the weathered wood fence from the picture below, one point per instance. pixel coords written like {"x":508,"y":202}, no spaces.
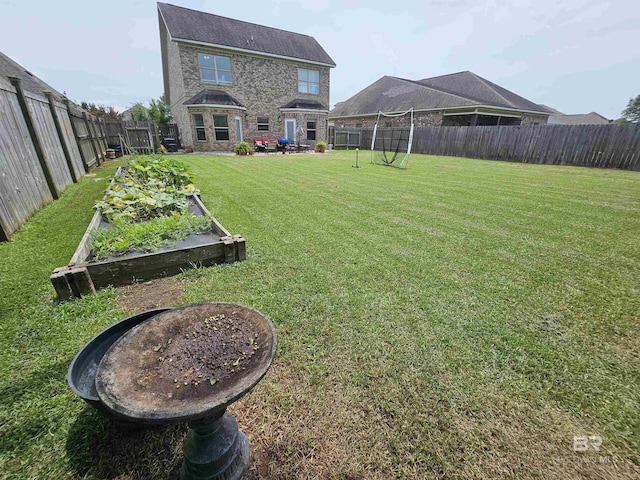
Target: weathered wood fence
{"x":142,"y":136}
{"x":607,"y":146}
{"x":45,"y":146}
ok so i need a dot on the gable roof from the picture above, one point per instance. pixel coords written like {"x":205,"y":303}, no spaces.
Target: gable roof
{"x":463,"y":89}
{"x":184,"y":24}
{"x":29,"y":82}
{"x":592,"y":118}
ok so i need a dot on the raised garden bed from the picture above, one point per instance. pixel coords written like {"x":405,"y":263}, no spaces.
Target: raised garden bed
{"x":85,"y":273}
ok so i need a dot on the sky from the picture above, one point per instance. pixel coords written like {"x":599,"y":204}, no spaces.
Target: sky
{"x":576,"y":56}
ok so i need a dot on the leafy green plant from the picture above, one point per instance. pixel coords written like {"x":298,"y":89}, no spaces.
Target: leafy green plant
{"x":147,"y":236}
{"x":134,"y":203}
{"x":321,"y":146}
{"x":150,"y":187}
{"x":172,"y":173}
{"x":242,"y":148}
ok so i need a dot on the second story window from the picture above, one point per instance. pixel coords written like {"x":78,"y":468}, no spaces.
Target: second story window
{"x":263,"y":124}
{"x":214,"y":69}
{"x":308,"y":81}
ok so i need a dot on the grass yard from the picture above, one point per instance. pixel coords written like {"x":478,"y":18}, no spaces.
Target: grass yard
{"x":460,"y":319}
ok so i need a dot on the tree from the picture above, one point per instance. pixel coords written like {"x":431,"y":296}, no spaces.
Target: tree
{"x":632,"y":112}
{"x":101,"y":111}
{"x":158,"y":111}
{"x":139,"y":112}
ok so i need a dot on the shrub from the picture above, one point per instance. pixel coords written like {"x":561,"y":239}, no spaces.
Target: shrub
{"x":242,"y":148}
{"x":321,"y":146}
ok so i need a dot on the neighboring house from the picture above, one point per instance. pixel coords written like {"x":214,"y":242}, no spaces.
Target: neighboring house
{"x":127,"y":115}
{"x":592,"y":118}
{"x":28,"y":81}
{"x":458,"y":99}
{"x":226,"y":80}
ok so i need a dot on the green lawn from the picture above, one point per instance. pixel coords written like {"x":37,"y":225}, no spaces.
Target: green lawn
{"x":459,"y":319}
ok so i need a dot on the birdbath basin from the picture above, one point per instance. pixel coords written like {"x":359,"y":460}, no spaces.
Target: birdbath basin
{"x":187,"y":365}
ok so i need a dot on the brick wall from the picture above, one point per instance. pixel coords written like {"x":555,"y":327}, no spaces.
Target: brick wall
{"x":263,"y":85}
{"x":420,"y":119}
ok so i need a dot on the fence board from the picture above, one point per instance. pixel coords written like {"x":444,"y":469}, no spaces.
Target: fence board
{"x":72,"y":146}
{"x":46,"y":132}
{"x":23,"y":186}
{"x":602,"y":146}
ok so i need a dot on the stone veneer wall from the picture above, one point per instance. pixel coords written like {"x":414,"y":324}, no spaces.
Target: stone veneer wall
{"x":263,"y":85}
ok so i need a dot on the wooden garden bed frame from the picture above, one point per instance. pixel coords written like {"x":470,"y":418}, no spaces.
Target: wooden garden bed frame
{"x":85,"y":275}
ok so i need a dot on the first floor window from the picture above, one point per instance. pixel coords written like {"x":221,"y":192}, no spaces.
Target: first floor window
{"x":263,"y":124}
{"x":311,"y":129}
{"x":198,"y":121}
{"x":308,"y":81}
{"x":221,"y":127}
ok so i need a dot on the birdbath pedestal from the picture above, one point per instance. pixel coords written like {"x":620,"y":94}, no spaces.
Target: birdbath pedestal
{"x":188,"y":365}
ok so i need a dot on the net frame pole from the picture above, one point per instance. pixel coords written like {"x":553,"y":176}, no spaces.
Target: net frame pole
{"x":386,"y":161}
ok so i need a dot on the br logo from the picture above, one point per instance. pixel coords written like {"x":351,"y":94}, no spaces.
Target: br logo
{"x":583,"y":443}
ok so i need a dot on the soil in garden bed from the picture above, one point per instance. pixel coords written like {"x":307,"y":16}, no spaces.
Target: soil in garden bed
{"x":213,"y":350}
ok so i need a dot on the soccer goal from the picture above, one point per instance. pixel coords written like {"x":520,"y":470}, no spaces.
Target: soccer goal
{"x":391,"y":142}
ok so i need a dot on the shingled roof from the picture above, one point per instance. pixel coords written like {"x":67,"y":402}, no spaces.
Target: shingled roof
{"x":305,"y":104}
{"x":474,"y":87}
{"x":213,"y":97}
{"x":463,"y":89}
{"x":29,"y":82}
{"x":200,"y":27}
{"x":592,"y":118}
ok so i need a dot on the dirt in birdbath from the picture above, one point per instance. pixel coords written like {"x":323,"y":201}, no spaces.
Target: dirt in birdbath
{"x":212,"y":350}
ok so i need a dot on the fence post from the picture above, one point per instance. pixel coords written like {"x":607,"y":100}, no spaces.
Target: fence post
{"x":63,"y":143}
{"x":91,"y":137}
{"x":15,"y":81}
{"x":85,"y":164}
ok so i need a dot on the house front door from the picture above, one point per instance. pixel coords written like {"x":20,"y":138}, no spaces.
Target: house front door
{"x":239,"y":129}
{"x":290,"y":129}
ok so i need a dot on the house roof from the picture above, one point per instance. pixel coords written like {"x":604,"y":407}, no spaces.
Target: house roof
{"x":551,"y":109}
{"x":463,"y":89}
{"x":306,"y":104}
{"x":200,"y":27}
{"x":213,"y":97}
{"x":474,"y":87}
{"x":592,"y":118}
{"x":29,"y":82}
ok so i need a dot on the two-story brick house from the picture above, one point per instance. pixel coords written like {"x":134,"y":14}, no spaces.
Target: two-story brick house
{"x":226,"y":80}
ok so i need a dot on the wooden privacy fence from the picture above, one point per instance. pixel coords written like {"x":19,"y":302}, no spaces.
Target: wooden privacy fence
{"x":45,"y":146}
{"x":607,"y":146}
{"x":142,"y":136}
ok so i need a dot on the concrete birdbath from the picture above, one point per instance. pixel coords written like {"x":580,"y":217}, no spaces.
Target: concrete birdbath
{"x":187,"y":365}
